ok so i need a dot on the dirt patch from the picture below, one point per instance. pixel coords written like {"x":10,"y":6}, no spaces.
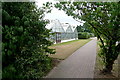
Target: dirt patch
{"x":55,"y":62}
{"x":99,"y":67}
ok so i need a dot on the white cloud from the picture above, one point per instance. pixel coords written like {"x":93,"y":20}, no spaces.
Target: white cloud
{"x":40,"y":2}
{"x":58,"y":14}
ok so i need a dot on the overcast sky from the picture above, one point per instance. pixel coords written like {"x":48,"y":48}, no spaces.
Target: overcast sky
{"x":58,"y":14}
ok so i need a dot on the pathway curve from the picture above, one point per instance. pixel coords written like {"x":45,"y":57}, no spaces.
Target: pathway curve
{"x":79,"y":65}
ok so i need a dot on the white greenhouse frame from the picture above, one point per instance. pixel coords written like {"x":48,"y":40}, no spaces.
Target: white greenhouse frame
{"x":63,"y":31}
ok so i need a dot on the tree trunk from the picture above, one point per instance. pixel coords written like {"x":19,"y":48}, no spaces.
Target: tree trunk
{"x":108,"y":67}
{"x":110,"y":58}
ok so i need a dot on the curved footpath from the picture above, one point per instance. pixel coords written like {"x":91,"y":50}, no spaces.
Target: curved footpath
{"x":79,"y":65}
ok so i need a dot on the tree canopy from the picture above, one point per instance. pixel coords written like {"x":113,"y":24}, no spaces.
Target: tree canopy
{"x":103,"y":18}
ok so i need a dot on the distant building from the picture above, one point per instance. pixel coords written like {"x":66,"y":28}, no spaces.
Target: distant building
{"x":62,"y":31}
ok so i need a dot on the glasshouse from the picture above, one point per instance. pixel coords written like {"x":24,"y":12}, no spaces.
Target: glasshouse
{"x":63,"y":31}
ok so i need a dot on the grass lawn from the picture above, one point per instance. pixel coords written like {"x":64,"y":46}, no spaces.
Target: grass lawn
{"x":63,"y":50}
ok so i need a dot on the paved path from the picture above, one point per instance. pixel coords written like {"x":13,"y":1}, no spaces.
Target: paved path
{"x":79,"y":65}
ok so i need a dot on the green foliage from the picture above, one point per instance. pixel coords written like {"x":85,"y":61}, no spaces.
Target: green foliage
{"x":25,"y":44}
{"x":84,"y":31}
{"x":103,"y":18}
{"x":84,"y":28}
{"x":83,"y":35}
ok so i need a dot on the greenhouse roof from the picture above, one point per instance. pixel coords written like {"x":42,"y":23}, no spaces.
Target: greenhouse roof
{"x":65,"y":26}
{"x":73,"y":28}
{"x":69,"y":29}
{"x":56,"y":26}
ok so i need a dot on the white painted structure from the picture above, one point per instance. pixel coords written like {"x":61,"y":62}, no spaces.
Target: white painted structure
{"x":63,"y":31}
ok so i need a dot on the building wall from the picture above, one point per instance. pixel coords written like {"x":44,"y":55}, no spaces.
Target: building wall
{"x":62,"y":34}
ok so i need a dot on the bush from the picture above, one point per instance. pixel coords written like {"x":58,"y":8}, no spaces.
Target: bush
{"x":84,"y":35}
{"x":25,"y":44}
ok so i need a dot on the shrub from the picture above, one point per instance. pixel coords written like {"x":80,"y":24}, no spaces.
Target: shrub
{"x":83,"y":35}
{"x":24,"y":46}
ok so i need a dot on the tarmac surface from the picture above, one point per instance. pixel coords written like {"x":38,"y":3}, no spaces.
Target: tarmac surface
{"x":79,"y":65}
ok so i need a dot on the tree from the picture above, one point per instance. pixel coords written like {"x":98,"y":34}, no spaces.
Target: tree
{"x":84,"y":28}
{"x":24,"y":41}
{"x":103,"y":18}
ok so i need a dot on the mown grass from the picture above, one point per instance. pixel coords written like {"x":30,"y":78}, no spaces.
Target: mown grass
{"x":63,"y":50}
{"x":64,"y":43}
